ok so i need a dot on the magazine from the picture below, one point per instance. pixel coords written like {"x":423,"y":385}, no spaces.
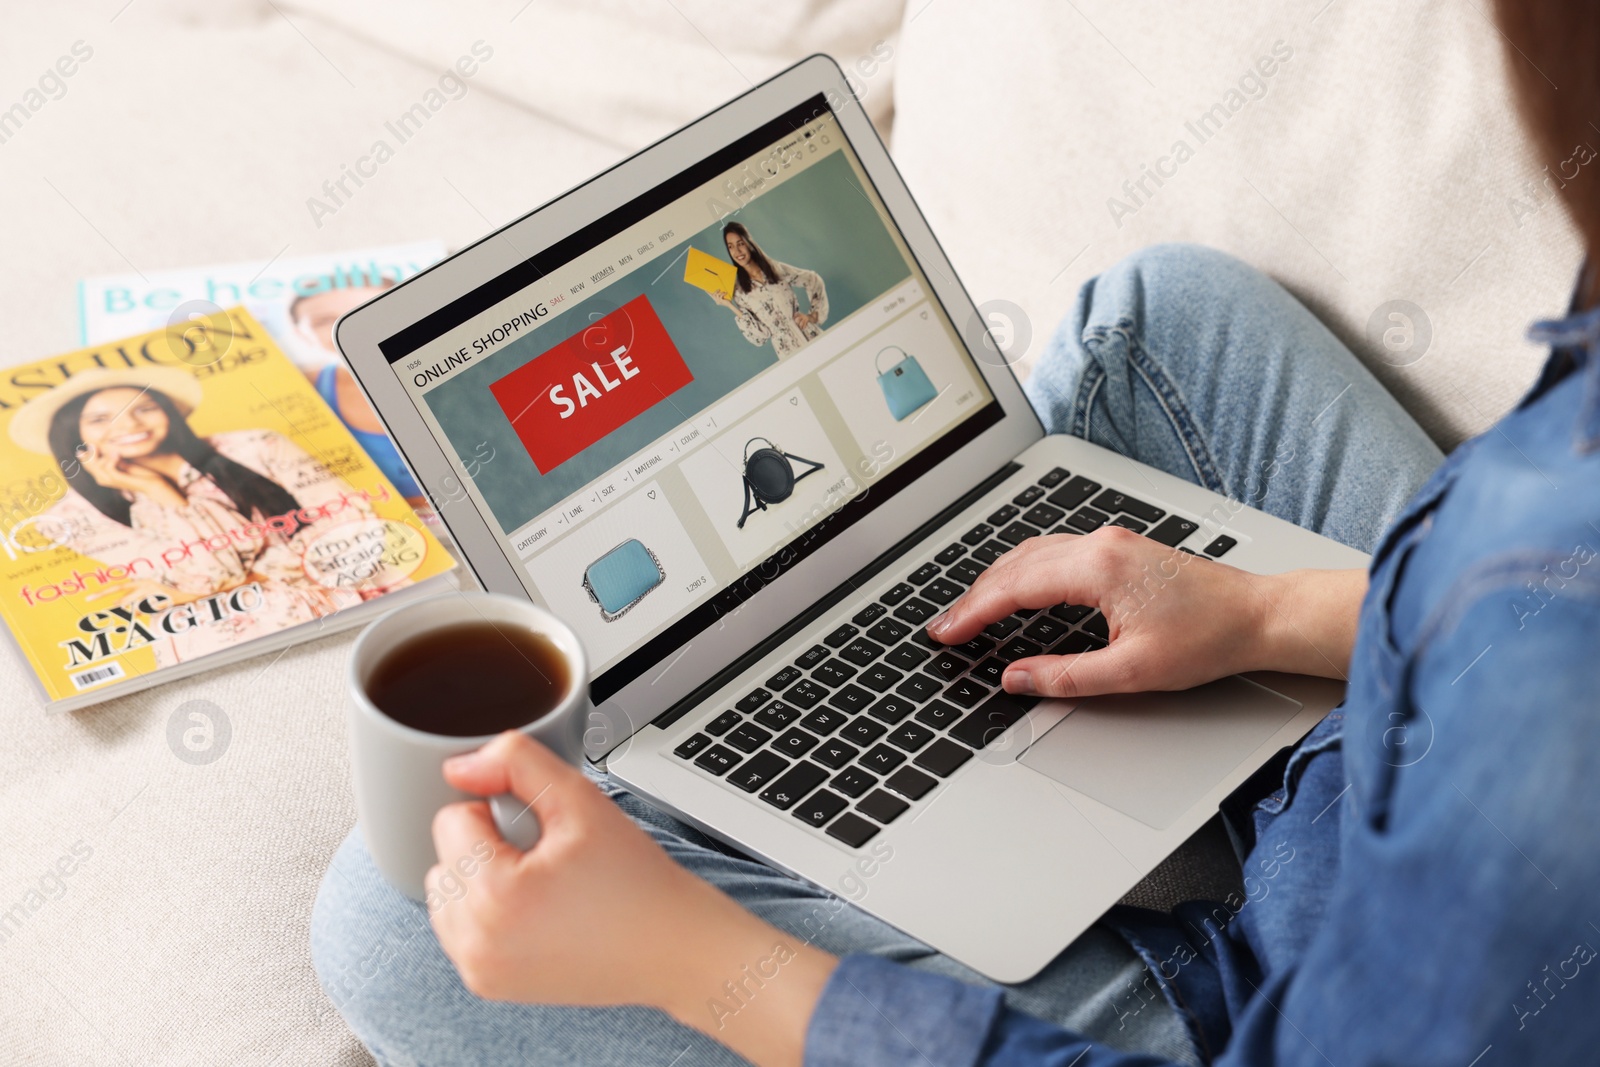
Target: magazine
{"x":297,"y":299}
{"x":184,"y":498}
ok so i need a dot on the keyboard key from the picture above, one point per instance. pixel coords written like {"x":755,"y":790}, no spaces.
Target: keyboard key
{"x":1019,"y":532}
{"x":854,"y":781}
{"x":852,"y":829}
{"x":794,"y":742}
{"x":1113,"y":501}
{"x":1079,"y":642}
{"x":749,"y":737}
{"x":1043,"y":515}
{"x":882,"y":758}
{"x":1053,"y":477}
{"x":947,"y":665}
{"x":692,"y":745}
{"x":867,"y":614}
{"x":795,"y":783}
{"x":881,"y":806}
{"x":938,"y":714}
{"x":1074,"y":493}
{"x":1027,"y":496}
{"x":820,"y":806}
{"x":966,"y":572}
{"x":989,"y":551}
{"x":861,"y":651}
{"x":942,"y":757}
{"x":1017,"y":648}
{"x":909,"y":736}
{"x":717,"y":759}
{"x":919,"y":688}
{"x":833,"y":673}
{"x":757,"y":771}
{"x":1096,"y":626}
{"x":1004,"y":515}
{"x":851,"y":699}
{"x":840,"y":636}
{"x":1088,"y":520}
{"x":922,"y":637}
{"x":998,"y":714}
{"x":1128,"y":522}
{"x":941,"y":591}
{"x":888,"y":631}
{"x":723,"y":723}
{"x":949,"y":554}
{"x":976,"y":648}
{"x":990,"y":671}
{"x":977,"y":535}
{"x":916,"y":611}
{"x":880,"y":678}
{"x":896,"y":594}
{"x":924,"y":574}
{"x":908,"y":657}
{"x":911,"y":784}
{"x":824,"y":721}
{"x":1186,"y":550}
{"x":811,"y":657}
{"x":1001,"y":629}
{"x":863,"y":731}
{"x":835,"y":753}
{"x":777,"y":715}
{"x":891,"y":709}
{"x":967,"y":692}
{"x":1220,"y":546}
{"x":784,"y":679}
{"x":1045,"y":630}
{"x":754,"y":700}
{"x":1071,"y":613}
{"x":1173,"y":529}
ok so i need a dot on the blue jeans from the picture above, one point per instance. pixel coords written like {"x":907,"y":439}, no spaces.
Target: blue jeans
{"x":1180,"y":357}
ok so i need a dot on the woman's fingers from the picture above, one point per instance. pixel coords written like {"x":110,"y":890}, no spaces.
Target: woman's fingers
{"x":1106,"y":670}
{"x":515,"y":763}
{"x":1040,"y":573}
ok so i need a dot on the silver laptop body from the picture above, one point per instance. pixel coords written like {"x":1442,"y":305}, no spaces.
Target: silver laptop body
{"x":748,"y":505}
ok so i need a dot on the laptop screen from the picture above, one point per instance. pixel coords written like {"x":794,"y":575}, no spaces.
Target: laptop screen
{"x":662,"y":413}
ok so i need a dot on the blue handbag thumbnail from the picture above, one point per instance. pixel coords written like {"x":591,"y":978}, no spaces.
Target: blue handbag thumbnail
{"x":622,"y":577}
{"x":905,"y":384}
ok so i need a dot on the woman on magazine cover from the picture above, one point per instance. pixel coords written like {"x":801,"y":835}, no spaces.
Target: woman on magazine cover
{"x":145,"y":487}
{"x":764,"y":303}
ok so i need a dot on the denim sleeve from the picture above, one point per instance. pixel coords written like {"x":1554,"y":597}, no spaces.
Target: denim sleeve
{"x":1462,"y":926}
{"x":877,"y":1012}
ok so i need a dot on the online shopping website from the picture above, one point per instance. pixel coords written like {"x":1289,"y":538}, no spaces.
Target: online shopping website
{"x":650,"y":422}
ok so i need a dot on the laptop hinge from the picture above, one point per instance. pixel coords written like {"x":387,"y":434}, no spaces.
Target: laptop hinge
{"x":848,"y":587}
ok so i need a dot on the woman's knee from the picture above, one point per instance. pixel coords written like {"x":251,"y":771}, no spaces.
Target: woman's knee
{"x":373,"y":949}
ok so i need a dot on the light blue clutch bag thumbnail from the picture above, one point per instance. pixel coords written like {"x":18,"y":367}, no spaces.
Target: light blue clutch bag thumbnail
{"x":622,"y":577}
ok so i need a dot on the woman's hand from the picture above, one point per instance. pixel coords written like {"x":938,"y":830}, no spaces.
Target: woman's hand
{"x":1175,"y":620}
{"x":596,"y":913}
{"x":717,"y":296}
{"x":802,"y":319}
{"x":112,"y":471}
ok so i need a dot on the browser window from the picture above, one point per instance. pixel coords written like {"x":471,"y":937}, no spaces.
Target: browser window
{"x":708,"y":385}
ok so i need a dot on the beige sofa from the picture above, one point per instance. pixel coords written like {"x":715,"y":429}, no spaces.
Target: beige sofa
{"x":1376,"y":162}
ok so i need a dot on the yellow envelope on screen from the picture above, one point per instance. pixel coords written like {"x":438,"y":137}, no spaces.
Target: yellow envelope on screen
{"x":710,"y":273}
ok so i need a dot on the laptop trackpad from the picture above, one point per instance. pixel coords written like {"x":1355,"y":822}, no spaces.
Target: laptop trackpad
{"x":1152,"y":755}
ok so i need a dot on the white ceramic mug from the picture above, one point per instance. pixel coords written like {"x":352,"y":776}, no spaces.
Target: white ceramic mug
{"x":397,"y":770}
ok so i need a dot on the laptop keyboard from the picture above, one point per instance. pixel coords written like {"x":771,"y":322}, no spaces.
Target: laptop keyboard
{"x":871,"y":718}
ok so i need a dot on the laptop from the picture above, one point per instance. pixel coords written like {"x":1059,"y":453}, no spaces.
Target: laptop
{"x":726,"y":409}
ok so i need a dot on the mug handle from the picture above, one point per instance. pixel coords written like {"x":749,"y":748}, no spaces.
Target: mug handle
{"x":515,"y":820}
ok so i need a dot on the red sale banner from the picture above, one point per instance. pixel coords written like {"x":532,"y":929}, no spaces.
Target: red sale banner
{"x":590,"y":384}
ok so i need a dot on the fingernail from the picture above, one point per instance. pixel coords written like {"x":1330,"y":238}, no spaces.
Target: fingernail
{"x":939,"y":623}
{"x":1018,"y":681}
{"x":466,"y":762}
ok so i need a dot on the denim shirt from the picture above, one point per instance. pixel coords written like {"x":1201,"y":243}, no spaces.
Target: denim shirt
{"x":1422,"y":882}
